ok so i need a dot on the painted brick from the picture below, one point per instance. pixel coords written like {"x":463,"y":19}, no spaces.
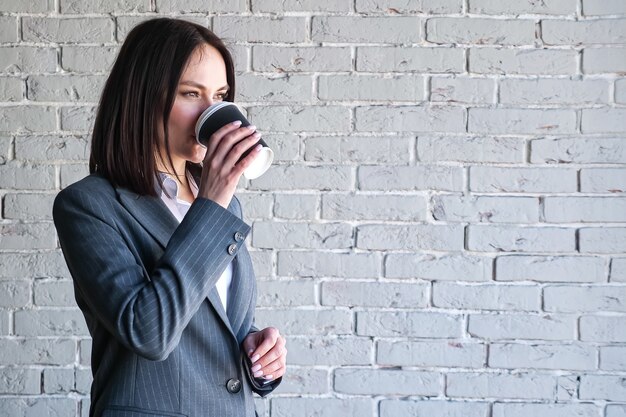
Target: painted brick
{"x":433,"y":408}
{"x":322,"y":407}
{"x":408,"y":324}
{"x":387,"y":382}
{"x":448,"y":267}
{"x":287,"y":235}
{"x":413,"y":237}
{"x":200,"y":6}
{"x":68,"y":29}
{"x":463,"y":90}
{"x":495,"y":7}
{"x":310,"y":264}
{"x":386,"y":294}
{"x":373,"y":207}
{"x":602,"y":240}
{"x":27,"y":236}
{"x":492,"y":238}
{"x":604,"y":60}
{"x":554,"y":91}
{"x":603,"y":180}
{"x":521,"y":121}
{"x":362,"y":149}
{"x":522,"y":326}
{"x":542,"y":356}
{"x":16,"y":294}
{"x":603,"y":120}
{"x":416,"y":58}
{"x":300,"y":118}
{"x":280,"y":6}
{"x":603,"y":7}
{"x":603,"y":328}
{"x":602,"y":387}
{"x":545,"y":410}
{"x":301,"y":177}
{"x":410,"y":178}
{"x":49,"y":148}
{"x":260,"y":29}
{"x":445,"y":30}
{"x":484,"y":209}
{"x":570,"y":32}
{"x":380,"y":29}
{"x":296,"y":206}
{"x":470,"y":149}
{"x":551,"y":268}
{"x":20,"y":381}
{"x":518,"y":386}
{"x":579,"y":150}
{"x":332,"y":351}
{"x":88,"y":58}
{"x":585,"y":209}
{"x":496,"y":297}
{"x":410,"y":119}
{"x":306,"y":322}
{"x":522,"y":180}
{"x":285,"y":293}
{"x":49,"y":322}
{"x":402,"y":6}
{"x":371,"y":88}
{"x":522,"y":61}
{"x":301,"y":59}
{"x":429,"y":354}
{"x":613,"y":358}
{"x":37,"y":406}
{"x":30,"y":351}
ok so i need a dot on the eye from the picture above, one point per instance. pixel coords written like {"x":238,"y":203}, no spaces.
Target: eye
{"x":221,"y":96}
{"x":191,"y":94}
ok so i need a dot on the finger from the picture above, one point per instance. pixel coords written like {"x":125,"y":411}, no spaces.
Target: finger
{"x":227,"y":142}
{"x":277,"y":353}
{"x":270,"y":337}
{"x":273,"y":367}
{"x":214,"y":139}
{"x":240,"y":148}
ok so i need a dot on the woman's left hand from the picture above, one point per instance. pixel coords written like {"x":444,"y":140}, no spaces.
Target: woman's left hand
{"x":267,"y":352}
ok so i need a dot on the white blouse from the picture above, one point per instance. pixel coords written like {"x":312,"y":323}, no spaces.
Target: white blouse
{"x":179,"y":208}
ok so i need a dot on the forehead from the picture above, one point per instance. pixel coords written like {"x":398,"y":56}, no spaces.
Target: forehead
{"x":205,"y":65}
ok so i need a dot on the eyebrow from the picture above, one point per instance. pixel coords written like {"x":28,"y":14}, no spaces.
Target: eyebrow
{"x":200,"y":86}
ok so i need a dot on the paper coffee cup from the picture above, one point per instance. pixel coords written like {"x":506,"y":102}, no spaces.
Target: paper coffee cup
{"x":219,"y":115}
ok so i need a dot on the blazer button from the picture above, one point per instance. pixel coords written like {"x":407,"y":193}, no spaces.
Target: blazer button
{"x":238,"y":237}
{"x":233,"y":385}
{"x":232,"y":249}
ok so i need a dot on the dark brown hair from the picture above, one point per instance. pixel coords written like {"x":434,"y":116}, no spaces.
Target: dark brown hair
{"x":139,"y":94}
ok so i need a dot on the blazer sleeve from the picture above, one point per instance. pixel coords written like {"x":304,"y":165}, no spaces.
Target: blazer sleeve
{"x":146,"y":311}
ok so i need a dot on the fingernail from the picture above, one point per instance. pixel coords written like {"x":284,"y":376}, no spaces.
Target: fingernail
{"x":250,"y":351}
{"x":256,"y":135}
{"x":255,"y":358}
{"x":269,"y":377}
{"x":258,"y":148}
{"x":256,"y":367}
{"x":251,"y":127}
{"x":236,"y":123}
{"x":258,"y":374}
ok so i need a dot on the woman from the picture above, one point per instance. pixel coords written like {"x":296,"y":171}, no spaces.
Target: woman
{"x":154,"y":238}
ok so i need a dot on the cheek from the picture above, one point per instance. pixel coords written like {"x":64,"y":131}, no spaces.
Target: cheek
{"x":184,"y":116}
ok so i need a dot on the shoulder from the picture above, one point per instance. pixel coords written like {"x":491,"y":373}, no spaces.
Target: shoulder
{"x":90,"y":191}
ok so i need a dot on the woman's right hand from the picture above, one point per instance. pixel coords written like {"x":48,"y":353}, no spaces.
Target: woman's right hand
{"x":221,"y":172}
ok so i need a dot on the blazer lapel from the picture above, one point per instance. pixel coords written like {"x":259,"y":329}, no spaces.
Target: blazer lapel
{"x":160,"y":223}
{"x":151,"y":213}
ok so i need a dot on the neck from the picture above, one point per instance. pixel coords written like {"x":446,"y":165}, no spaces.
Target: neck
{"x":179,"y":170}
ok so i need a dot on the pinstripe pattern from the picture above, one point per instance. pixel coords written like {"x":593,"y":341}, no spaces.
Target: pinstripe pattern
{"x":162,"y":342}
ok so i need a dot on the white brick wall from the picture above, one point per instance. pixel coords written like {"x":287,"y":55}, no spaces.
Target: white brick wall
{"x":442,"y":233}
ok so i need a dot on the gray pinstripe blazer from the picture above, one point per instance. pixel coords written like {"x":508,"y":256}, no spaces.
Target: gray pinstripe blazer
{"x":162,"y":343}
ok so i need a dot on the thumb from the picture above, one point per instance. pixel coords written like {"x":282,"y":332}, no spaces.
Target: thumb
{"x":249,"y":344}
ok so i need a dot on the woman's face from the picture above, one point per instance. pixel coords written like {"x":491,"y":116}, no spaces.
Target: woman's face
{"x":202,"y":83}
